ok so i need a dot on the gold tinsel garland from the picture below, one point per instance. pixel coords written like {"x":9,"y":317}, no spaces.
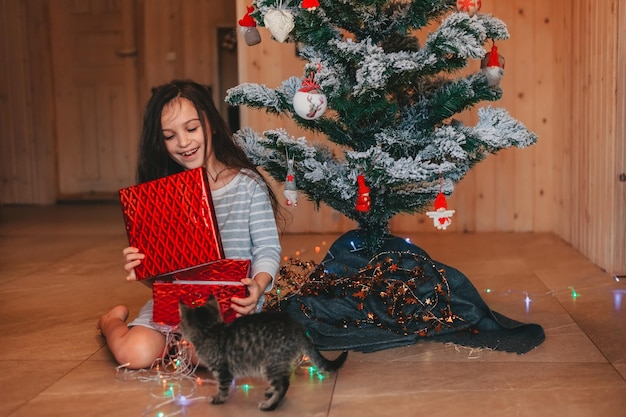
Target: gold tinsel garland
{"x":384,"y":281}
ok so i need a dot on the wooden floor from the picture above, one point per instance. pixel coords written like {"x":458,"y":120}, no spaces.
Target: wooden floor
{"x":61,"y":269}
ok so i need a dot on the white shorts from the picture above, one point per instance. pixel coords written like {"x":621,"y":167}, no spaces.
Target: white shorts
{"x":144,"y":318}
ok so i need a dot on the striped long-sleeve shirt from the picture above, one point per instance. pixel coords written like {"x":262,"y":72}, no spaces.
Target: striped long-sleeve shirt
{"x":246,"y":223}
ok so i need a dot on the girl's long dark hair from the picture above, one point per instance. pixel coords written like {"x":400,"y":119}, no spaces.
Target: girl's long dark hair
{"x":154,"y":161}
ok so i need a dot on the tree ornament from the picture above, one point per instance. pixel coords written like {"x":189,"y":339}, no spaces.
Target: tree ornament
{"x":291,"y":191}
{"x":279,"y":22}
{"x":441,"y":216}
{"x":363,"y":200}
{"x":248,"y":27}
{"x":310,"y":5}
{"x":310,"y":102}
{"x":379,"y":87}
{"x":493,"y":66}
{"x":470,"y":7}
{"x":309,"y":105}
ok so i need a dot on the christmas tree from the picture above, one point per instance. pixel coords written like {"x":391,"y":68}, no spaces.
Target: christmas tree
{"x":386,"y":97}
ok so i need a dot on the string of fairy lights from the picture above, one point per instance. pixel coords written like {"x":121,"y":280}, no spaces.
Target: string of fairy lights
{"x":527,"y":297}
{"x":173,"y":381}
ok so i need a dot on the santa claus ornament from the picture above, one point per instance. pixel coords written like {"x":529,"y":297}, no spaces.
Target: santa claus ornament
{"x":470,"y":7}
{"x":492,"y":66}
{"x":310,"y":102}
{"x":363,"y":200}
{"x":279,"y":21}
{"x":441,"y":215}
{"x":248,"y":27}
{"x":291,"y":191}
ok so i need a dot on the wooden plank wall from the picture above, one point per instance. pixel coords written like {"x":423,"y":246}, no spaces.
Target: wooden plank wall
{"x":617,"y":261}
{"x":565,"y":79}
{"x":27,"y":147}
{"x":178,"y":39}
{"x":590,"y":140}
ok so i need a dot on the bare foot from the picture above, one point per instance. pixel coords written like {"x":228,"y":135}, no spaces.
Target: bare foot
{"x":116,"y":313}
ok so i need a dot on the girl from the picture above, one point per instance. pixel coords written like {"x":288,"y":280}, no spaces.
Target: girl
{"x":182,"y":130}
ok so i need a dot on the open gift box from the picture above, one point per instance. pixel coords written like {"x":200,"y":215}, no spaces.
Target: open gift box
{"x":193,"y":293}
{"x":193,"y":286}
{"x":172,"y":221}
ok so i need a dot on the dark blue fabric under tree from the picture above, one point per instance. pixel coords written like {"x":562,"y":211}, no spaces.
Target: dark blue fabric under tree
{"x":354,"y":301}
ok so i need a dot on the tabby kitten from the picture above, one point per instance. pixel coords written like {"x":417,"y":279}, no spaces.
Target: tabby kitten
{"x":263,"y":345}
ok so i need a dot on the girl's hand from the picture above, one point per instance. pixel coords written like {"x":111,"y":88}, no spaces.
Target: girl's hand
{"x":132,"y":258}
{"x":256,"y":287}
{"x":244,"y":306}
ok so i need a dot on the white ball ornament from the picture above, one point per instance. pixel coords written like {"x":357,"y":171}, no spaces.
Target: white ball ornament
{"x":309,"y":105}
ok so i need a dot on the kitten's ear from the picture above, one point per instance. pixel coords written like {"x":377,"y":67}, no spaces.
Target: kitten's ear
{"x":212,"y":301}
{"x":182,"y":307}
{"x":211,"y":310}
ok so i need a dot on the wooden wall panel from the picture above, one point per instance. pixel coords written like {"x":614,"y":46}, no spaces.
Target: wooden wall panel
{"x":547,"y":76}
{"x":12,"y":106}
{"x":178,"y":39}
{"x":618,"y":219}
{"x":590,"y":155}
{"x":512,"y":209}
{"x":27,"y":163}
{"x":565,"y":79}
{"x":562,"y":137}
{"x":94,"y":71}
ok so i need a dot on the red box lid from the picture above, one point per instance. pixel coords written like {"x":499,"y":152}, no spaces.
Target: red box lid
{"x":220,"y":270}
{"x":172,"y":221}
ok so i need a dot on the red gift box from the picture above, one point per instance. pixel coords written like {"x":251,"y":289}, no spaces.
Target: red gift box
{"x":193,"y":293}
{"x":173,"y":222}
{"x":193,"y":286}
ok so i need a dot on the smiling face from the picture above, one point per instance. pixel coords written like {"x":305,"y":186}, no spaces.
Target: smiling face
{"x":184,"y":134}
